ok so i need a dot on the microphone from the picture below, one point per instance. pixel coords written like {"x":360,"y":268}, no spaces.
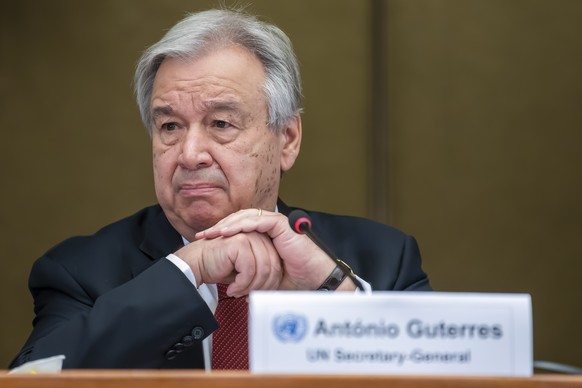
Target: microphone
{"x":300,"y":222}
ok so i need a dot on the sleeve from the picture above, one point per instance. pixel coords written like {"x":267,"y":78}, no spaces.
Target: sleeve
{"x":410,"y":276}
{"x":134,"y":325}
{"x":185,"y":268}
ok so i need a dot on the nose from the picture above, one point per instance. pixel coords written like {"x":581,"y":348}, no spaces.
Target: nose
{"x":195,"y":150}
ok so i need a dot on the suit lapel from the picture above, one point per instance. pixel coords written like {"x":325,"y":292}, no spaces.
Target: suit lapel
{"x":160,"y":239}
{"x":282,"y":207}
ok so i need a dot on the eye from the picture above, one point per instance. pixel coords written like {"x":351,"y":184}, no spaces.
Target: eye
{"x":222,"y":124}
{"x":169,"y":127}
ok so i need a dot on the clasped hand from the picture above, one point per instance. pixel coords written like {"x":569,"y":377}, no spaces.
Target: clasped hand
{"x":255,"y":250}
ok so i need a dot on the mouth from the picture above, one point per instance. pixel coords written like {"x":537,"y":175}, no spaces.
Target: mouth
{"x":198,"y":190}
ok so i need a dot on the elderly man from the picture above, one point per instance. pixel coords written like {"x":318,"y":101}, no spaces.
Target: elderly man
{"x":220,"y":97}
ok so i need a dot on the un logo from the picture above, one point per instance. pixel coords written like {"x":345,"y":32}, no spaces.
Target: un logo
{"x":290,"y":327}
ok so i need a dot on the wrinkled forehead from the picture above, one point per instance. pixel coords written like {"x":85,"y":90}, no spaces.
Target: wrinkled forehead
{"x":232,"y":62}
{"x":207,"y":48}
{"x":229,"y":80}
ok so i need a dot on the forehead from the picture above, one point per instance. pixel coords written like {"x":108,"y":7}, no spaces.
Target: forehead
{"x":231,"y":72}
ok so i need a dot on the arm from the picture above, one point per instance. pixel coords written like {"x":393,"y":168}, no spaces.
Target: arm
{"x":133,"y":325}
{"x":410,"y":276}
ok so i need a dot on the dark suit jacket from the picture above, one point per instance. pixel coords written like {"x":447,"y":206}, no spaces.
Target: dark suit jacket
{"x":108,"y":301}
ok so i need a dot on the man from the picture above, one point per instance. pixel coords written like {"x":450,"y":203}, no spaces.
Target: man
{"x":220,"y":96}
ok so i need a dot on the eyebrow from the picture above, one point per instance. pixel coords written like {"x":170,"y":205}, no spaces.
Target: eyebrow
{"x":209,"y":106}
{"x":221,"y":105}
{"x":165,"y":110}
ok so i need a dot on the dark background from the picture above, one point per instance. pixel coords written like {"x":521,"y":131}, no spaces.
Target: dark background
{"x":458,"y":121}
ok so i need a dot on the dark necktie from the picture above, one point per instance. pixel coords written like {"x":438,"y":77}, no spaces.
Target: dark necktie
{"x":230,"y":342}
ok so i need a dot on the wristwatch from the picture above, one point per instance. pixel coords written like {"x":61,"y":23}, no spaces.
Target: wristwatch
{"x":337,"y":276}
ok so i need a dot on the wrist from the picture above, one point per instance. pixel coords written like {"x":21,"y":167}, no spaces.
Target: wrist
{"x":185,"y":255}
{"x":340,"y":278}
{"x":347,"y":285}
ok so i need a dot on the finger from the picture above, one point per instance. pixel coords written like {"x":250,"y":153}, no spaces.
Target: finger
{"x":244,"y":222}
{"x":228,"y":222}
{"x":258,"y":254}
{"x":244,"y":264}
{"x":275,"y":267}
{"x":268,"y":264}
{"x":236,"y":217}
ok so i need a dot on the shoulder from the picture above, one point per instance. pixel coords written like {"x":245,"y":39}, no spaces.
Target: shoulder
{"x":358,"y":239}
{"x":384,"y":256}
{"x":346,"y":227}
{"x":131,"y":230}
{"x":350,"y":225}
{"x":101,"y":261}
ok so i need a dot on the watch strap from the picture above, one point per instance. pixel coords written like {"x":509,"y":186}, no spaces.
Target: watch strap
{"x":336,"y":277}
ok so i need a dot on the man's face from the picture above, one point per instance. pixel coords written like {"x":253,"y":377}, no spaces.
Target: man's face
{"x":213,"y":153}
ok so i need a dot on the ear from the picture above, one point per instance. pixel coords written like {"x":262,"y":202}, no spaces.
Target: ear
{"x":291,"y":143}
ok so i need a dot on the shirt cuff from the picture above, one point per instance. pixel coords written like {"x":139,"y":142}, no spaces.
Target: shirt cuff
{"x":367,"y":287}
{"x":185,"y":268}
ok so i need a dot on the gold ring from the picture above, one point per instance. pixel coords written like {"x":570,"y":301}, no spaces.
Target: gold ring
{"x":260,"y":211}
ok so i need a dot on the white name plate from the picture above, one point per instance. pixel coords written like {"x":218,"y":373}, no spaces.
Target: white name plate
{"x":427,"y":333}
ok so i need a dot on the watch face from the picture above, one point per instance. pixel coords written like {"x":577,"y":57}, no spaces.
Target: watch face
{"x":334,"y":283}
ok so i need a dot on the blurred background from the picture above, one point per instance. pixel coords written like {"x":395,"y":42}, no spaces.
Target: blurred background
{"x":457,"y":121}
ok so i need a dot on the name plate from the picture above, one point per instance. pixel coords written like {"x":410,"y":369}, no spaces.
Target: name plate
{"x":428,"y":333}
